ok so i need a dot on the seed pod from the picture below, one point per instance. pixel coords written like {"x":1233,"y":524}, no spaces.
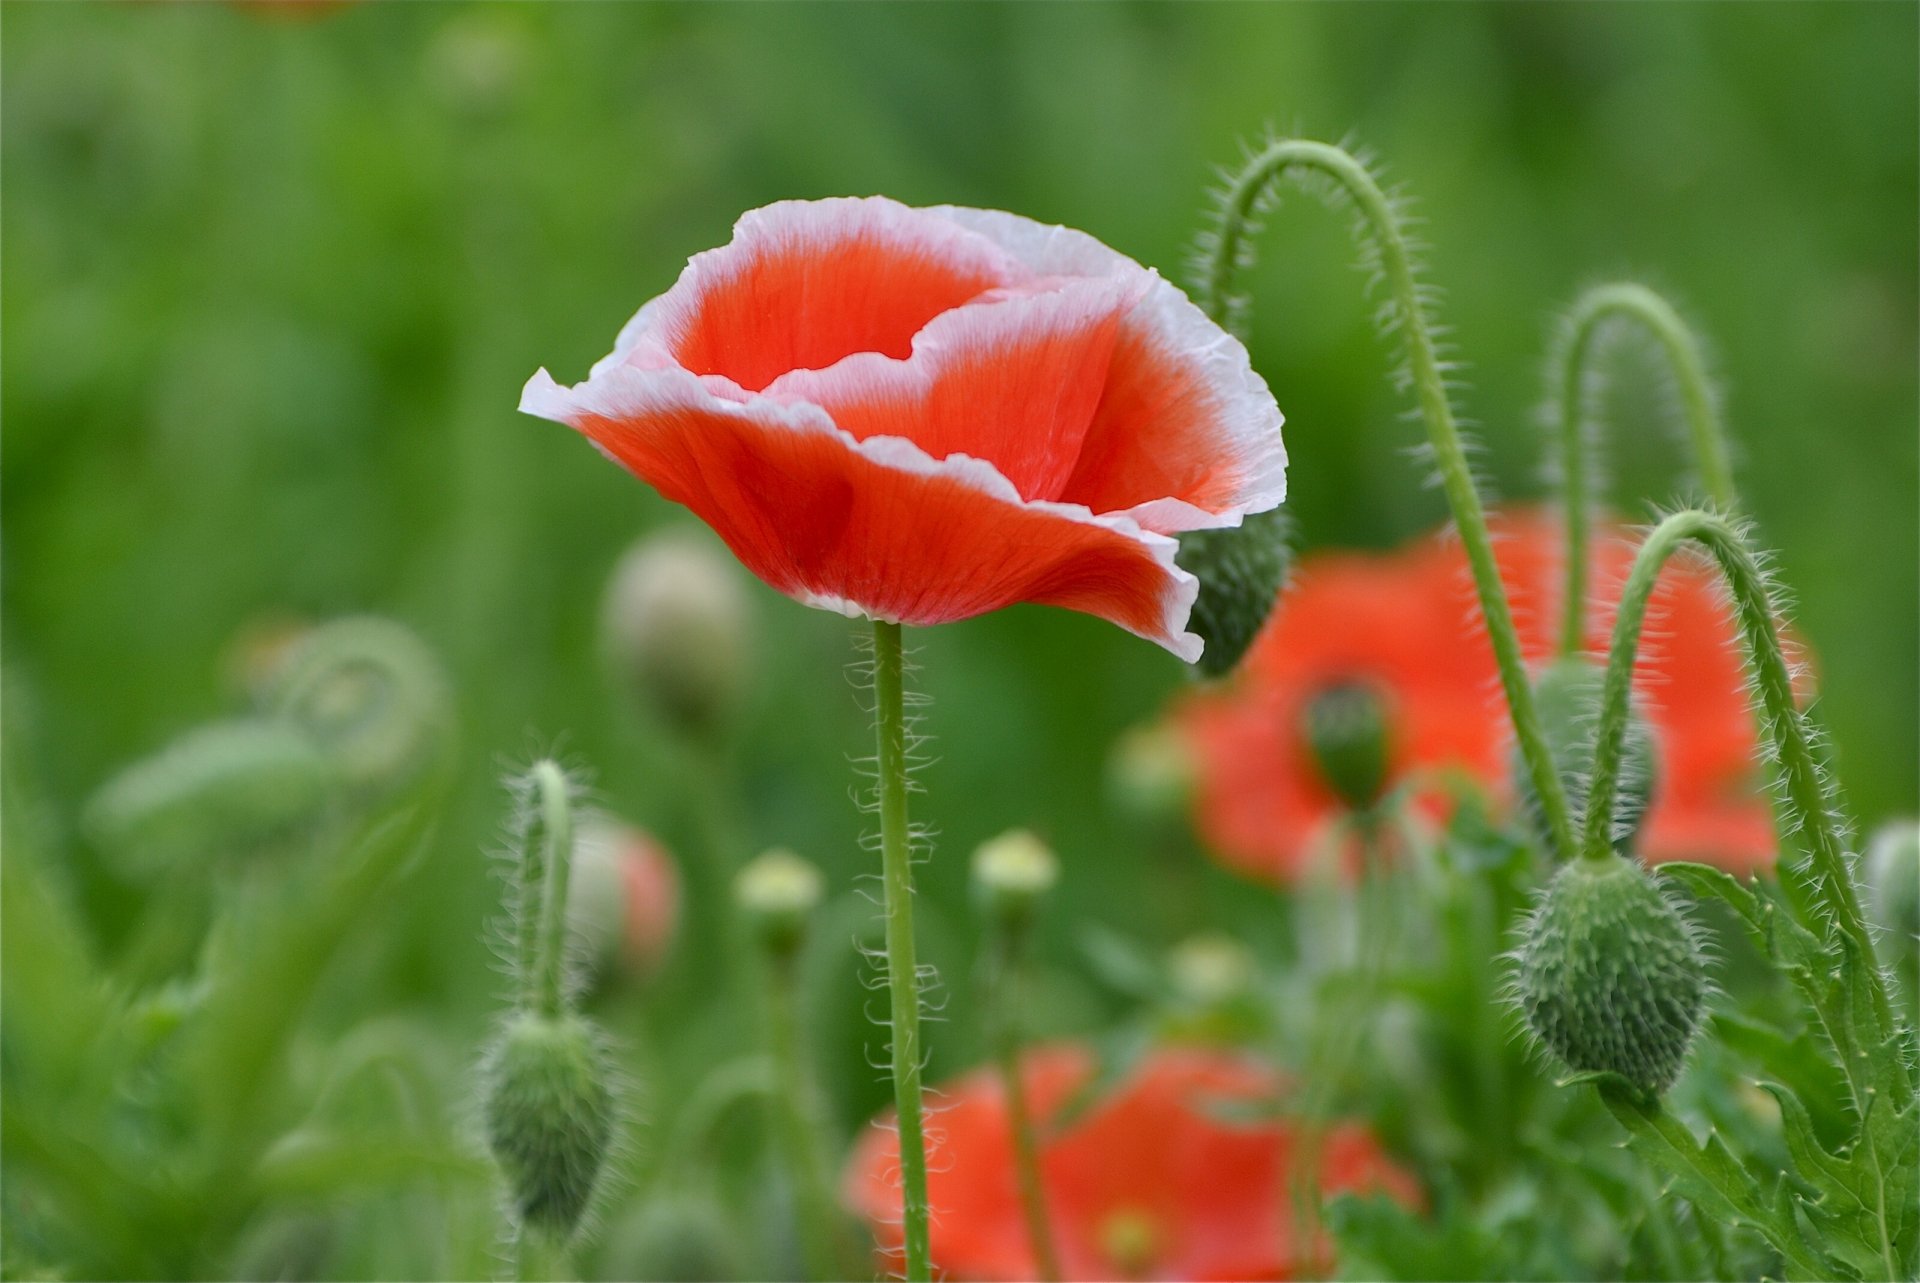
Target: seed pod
{"x":1010,"y":875}
{"x":1346,"y":729}
{"x":1567,"y":693}
{"x":676,"y":630}
{"x":549,"y":1112}
{"x":228,"y":790}
{"x":1610,"y":973}
{"x":371,"y":693}
{"x":1241,"y":571}
{"x":777,"y":893}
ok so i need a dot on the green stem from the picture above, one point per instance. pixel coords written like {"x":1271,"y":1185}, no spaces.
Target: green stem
{"x":1003,"y":1013}
{"x":545,"y":960}
{"x":821,"y":1243}
{"x":903,"y":967}
{"x":1626,"y":301}
{"x":1378,"y":217}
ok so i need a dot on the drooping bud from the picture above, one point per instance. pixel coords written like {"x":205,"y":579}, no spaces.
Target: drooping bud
{"x":1892,"y":872}
{"x":623,"y":898}
{"x":777,"y":893}
{"x":374,"y":696}
{"x":1610,"y":974}
{"x":1241,"y":571}
{"x":1567,"y":693}
{"x":677,"y":629}
{"x":549,"y":1114}
{"x":1151,"y":774}
{"x":1011,"y":873}
{"x":224,"y":791}
{"x":1346,"y":729}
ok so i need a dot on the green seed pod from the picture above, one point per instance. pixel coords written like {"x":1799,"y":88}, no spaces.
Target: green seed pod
{"x":1610,"y":973}
{"x":777,"y":893}
{"x":549,"y":1113}
{"x":228,"y":790}
{"x":1567,"y":693}
{"x":373,"y":695}
{"x":1011,"y":873}
{"x":1241,"y":571}
{"x":1346,"y":728}
{"x":677,"y":627}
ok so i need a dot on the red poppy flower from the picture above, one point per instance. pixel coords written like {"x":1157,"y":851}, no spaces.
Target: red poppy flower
{"x":926,"y":414}
{"x":1151,"y":1182}
{"x":1406,"y":625}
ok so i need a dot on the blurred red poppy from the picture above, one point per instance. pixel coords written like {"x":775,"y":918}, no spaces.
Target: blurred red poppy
{"x":1405,"y":626}
{"x":926,"y":414}
{"x":1151,"y":1182}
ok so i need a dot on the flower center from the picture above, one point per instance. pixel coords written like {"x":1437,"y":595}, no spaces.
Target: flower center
{"x":1345,"y":726}
{"x":1130,"y":1240}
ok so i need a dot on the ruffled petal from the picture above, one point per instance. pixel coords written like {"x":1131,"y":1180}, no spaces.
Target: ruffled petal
{"x":875,"y":527}
{"x":1186,"y":435}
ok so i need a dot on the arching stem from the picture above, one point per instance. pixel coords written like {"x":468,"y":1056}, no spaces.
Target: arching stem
{"x":545,"y":867}
{"x":1377,"y":217}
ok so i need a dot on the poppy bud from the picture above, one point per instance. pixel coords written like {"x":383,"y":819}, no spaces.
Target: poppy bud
{"x":1892,"y":872}
{"x":778,"y":892}
{"x":1610,"y":975}
{"x":226,"y":790}
{"x":676,"y":631}
{"x":1010,"y":875}
{"x":1567,"y":693}
{"x":372,"y":693}
{"x":1346,"y":728}
{"x":1151,"y":774}
{"x":623,"y":897}
{"x":1241,"y":571}
{"x":1210,"y":970}
{"x":549,"y":1111}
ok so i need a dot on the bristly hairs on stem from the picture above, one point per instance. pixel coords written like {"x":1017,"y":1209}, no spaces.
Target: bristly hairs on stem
{"x":1387,"y":255}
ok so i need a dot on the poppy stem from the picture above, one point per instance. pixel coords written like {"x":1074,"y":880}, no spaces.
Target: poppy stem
{"x":1352,"y":183}
{"x":903,"y":968}
{"x":545,"y":867}
{"x":1572,"y":382}
{"x":822,"y":1238}
{"x":1003,"y":1011}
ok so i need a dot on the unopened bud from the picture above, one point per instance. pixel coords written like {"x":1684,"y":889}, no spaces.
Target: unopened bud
{"x":1241,"y":571}
{"x":1346,"y":730}
{"x":227,"y":790}
{"x":623,"y":898}
{"x":1610,"y":975}
{"x":549,"y":1110}
{"x":1151,"y":774}
{"x":1011,"y":873}
{"x":1892,"y":871}
{"x":1567,"y":694}
{"x":372,"y":693}
{"x":777,"y":893}
{"x":677,"y":627}
{"x":1210,"y":969}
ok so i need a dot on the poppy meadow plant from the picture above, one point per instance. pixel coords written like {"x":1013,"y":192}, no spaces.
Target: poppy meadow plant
{"x":920,"y":415}
{"x":1155,"y":1179}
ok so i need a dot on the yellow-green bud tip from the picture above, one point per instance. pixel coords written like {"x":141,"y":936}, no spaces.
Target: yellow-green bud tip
{"x":777,"y":892}
{"x":1012,"y":872}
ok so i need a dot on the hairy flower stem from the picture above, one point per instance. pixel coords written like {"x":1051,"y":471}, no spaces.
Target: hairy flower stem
{"x":1592,"y":312}
{"x":822,"y":1243}
{"x":541,"y":936}
{"x":1003,"y":1003}
{"x":903,"y":968}
{"x":1377,"y":217}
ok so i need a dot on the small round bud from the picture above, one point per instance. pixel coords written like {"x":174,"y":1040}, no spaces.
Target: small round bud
{"x":677,"y":625}
{"x":1010,"y":875}
{"x":372,"y":693}
{"x":623,"y":898}
{"x":224,"y":791}
{"x":1346,"y":730}
{"x":1892,"y":872}
{"x":1151,"y":774}
{"x":1610,"y":975}
{"x":1210,"y":969}
{"x":549,"y":1111}
{"x":777,"y":893}
{"x":1241,"y":571}
{"x":1567,"y":694}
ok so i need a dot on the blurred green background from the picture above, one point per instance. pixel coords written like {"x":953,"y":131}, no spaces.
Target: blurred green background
{"x":272,"y":285}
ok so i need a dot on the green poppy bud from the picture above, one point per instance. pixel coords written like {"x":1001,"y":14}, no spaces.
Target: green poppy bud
{"x":227,"y":790}
{"x":1151,"y":774}
{"x":1241,"y":571}
{"x":1346,"y":729}
{"x":549,"y":1114}
{"x":1567,"y":694}
{"x":677,"y":630}
{"x":1610,"y":974}
{"x":1011,"y":873}
{"x":777,"y":893}
{"x":372,"y":693}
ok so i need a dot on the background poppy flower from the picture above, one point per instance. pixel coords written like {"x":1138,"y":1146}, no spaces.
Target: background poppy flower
{"x":1403,"y":624}
{"x":922,"y":415}
{"x":1150,"y":1182}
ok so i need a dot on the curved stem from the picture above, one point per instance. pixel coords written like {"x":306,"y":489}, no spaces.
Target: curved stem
{"x":1626,"y":301}
{"x":546,"y":982}
{"x":1377,"y":216}
{"x":1003,"y":1013}
{"x":903,"y":968}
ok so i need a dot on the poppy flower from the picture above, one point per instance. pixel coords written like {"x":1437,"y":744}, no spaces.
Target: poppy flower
{"x":1405,"y":626}
{"x":921,"y":415}
{"x":1153,"y":1181}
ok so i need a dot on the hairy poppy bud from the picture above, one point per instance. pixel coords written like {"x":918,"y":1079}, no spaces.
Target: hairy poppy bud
{"x":1567,"y":693}
{"x":1346,"y":727}
{"x":1010,"y":875}
{"x":778,"y":892}
{"x":226,"y":790}
{"x":372,"y":693}
{"x":676,"y":627}
{"x":1610,"y":974}
{"x":1241,"y":571}
{"x":549,"y":1112}
{"x":1151,"y":773}
{"x":623,"y":897}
